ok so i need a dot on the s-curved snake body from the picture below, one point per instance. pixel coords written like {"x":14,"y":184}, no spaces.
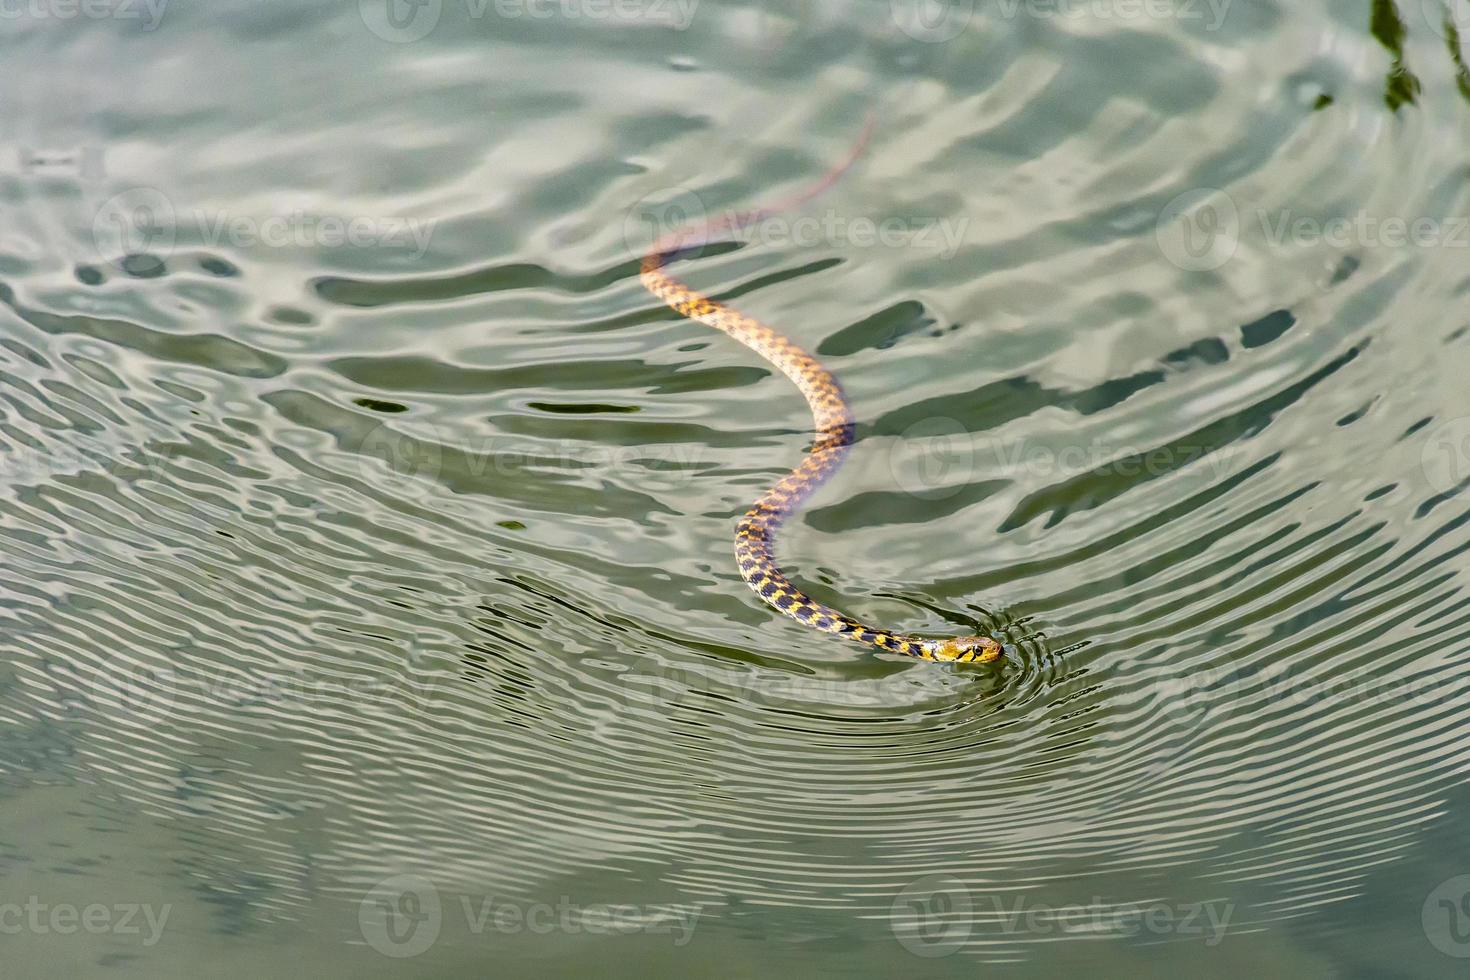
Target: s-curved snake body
{"x":756,"y":532}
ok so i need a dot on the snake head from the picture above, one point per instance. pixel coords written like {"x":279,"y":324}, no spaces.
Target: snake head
{"x":966,"y":649}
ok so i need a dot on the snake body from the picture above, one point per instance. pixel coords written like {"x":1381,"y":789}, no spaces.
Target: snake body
{"x":755,"y":533}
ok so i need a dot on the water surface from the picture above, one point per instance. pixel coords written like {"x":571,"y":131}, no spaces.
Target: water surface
{"x":367,"y":590}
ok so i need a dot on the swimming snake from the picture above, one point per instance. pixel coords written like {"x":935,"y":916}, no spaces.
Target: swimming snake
{"x":755,"y":533}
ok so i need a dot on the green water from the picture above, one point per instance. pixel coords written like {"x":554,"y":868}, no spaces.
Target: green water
{"x":365,"y":534}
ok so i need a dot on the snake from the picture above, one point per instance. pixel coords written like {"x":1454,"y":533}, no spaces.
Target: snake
{"x":832,"y":423}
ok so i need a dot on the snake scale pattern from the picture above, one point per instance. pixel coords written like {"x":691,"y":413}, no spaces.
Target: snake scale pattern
{"x":755,"y":533}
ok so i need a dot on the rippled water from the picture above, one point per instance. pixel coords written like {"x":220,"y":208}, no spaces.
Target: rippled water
{"x":367,"y":587}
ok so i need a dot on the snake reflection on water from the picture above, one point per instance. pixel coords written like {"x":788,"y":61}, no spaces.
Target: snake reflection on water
{"x":756,"y":531}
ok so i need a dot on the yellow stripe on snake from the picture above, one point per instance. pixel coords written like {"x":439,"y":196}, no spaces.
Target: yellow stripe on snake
{"x":756,"y":531}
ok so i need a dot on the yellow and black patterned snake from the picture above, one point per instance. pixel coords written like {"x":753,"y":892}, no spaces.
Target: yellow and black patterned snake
{"x":756,"y":531}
